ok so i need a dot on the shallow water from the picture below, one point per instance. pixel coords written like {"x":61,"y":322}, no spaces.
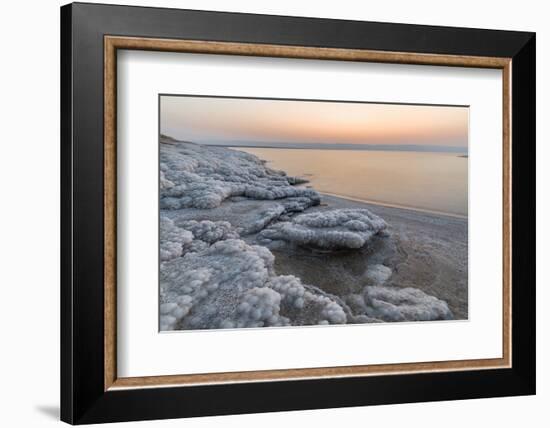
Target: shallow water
{"x":422,"y":180}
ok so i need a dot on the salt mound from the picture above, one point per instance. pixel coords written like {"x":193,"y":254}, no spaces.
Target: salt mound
{"x":334,"y":229}
{"x":378,"y":274}
{"x":302,"y":305}
{"x":198,"y":176}
{"x":177,"y":239}
{"x":173,"y":239}
{"x":209,"y":231}
{"x":403,"y":304}
{"x":232,"y":284}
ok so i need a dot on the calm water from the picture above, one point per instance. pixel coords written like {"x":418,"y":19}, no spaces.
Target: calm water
{"x":430,"y":181}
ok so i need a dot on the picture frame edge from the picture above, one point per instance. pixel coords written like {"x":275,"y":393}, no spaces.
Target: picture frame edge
{"x":87,"y":400}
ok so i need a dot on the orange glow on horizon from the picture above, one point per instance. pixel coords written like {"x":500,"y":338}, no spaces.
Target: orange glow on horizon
{"x":211,"y":120}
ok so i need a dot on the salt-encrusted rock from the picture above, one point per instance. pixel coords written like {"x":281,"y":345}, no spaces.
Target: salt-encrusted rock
{"x":403,"y":304}
{"x":378,"y":274}
{"x":258,"y":307}
{"x":209,"y":231}
{"x":173,"y":239}
{"x":303,"y":306}
{"x":181,"y":237}
{"x":330,"y":229}
{"x":264,"y":218}
{"x":232,"y":284}
{"x":197,"y":176}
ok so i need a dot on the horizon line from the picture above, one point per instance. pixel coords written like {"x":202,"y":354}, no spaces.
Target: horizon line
{"x":331,"y":146}
{"x":351,"y":147}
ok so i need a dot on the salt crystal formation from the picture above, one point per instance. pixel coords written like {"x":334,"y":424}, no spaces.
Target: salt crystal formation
{"x":232,"y":284}
{"x":173,"y":240}
{"x":196,"y":176}
{"x":378,"y":274}
{"x":336,"y":229}
{"x":403,"y":304}
{"x":213,"y":276}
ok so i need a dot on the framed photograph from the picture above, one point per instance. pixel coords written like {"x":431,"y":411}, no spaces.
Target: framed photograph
{"x":265,"y":213}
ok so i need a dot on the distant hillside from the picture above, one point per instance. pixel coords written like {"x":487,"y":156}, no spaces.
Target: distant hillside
{"x":344,"y":146}
{"x":167,"y":139}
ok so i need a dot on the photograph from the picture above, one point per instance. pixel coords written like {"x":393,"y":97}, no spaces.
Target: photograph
{"x":289,"y":212}
{"x":278,"y":209}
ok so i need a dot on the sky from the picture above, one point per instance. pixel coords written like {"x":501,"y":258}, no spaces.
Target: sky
{"x":281,"y":123}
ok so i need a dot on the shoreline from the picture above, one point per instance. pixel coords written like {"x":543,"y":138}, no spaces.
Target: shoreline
{"x":396,"y":206}
{"x":448,"y":204}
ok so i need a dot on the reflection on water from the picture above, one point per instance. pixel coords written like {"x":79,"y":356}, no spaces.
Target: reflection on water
{"x":432,"y":181}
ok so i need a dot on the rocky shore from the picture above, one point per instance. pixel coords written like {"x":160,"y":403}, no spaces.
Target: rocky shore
{"x":243,"y":245}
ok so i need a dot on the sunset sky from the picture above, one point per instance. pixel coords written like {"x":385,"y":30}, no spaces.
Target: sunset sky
{"x":233,"y":121}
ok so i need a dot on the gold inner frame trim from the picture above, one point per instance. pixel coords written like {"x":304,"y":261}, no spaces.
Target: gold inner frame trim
{"x":113,"y":43}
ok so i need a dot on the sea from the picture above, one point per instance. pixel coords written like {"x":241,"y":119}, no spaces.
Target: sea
{"x":428,"y":181}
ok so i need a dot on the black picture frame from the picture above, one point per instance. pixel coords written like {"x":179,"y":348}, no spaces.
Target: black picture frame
{"x":83,"y":396}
